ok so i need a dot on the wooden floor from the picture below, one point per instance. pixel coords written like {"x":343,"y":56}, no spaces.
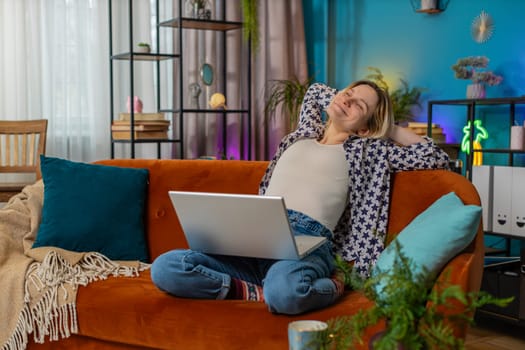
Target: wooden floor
{"x":495,"y":335}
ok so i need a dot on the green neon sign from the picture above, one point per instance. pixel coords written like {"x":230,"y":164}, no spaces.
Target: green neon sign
{"x":482,"y":134}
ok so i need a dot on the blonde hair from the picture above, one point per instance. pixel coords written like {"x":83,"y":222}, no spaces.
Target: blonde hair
{"x":382,"y":118}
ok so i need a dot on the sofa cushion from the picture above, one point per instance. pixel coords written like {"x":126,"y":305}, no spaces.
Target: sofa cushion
{"x":435,"y":236}
{"x":89,"y":207}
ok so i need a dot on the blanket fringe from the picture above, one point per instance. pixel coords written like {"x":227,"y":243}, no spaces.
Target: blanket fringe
{"x":24,"y":326}
{"x":54,"y":314}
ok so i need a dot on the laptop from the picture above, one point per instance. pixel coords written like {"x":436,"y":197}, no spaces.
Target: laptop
{"x":240,"y":225}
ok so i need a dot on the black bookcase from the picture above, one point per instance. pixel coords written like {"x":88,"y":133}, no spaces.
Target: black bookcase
{"x":178,"y":111}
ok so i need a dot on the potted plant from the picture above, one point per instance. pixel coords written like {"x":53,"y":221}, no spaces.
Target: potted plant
{"x":404,"y":99}
{"x":143,"y":47}
{"x":289,"y":95}
{"x":473,"y":68}
{"x":417,"y":316}
{"x":250,"y":27}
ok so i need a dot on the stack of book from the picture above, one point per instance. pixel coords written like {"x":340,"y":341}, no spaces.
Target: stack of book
{"x":146,"y":126}
{"x":420,"y":128}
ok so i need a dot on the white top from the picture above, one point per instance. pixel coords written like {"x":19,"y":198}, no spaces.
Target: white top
{"x":313,"y":179}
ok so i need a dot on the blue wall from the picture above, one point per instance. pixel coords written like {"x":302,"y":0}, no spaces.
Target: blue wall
{"x":344,"y":37}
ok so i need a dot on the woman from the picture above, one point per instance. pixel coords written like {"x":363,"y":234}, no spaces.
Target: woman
{"x":335,"y":178}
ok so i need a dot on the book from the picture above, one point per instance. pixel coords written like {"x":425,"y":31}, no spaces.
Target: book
{"x":142,"y":116}
{"x":142,"y":122}
{"x":140,"y":135}
{"x":423,"y":131}
{"x":420,"y":125}
{"x":139,"y":127}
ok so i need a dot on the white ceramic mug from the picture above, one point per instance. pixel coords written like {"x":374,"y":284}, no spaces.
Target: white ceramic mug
{"x":305,"y":334}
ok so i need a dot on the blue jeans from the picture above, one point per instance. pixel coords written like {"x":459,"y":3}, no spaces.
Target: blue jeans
{"x":289,"y":286}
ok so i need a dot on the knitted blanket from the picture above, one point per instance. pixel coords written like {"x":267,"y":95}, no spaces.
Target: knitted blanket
{"x":39,"y":286}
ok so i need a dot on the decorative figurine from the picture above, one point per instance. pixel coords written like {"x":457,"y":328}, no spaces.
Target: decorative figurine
{"x":137,"y":105}
{"x":195,"y":91}
{"x":217,"y":101}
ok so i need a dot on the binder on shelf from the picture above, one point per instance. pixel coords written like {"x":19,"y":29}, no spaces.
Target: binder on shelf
{"x":502,"y":194}
{"x":482,"y":180}
{"x":517,"y":206}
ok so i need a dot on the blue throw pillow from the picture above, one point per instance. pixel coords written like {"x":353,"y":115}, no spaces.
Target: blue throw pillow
{"x":435,"y":236}
{"x":90,"y":207}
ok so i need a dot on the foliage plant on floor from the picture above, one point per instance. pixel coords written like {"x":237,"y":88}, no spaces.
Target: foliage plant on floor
{"x":404,"y":99}
{"x":418,"y":313}
{"x":289,"y":95}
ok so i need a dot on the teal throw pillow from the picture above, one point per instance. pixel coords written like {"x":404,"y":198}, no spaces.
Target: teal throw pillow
{"x":93,"y":208}
{"x":435,"y":236}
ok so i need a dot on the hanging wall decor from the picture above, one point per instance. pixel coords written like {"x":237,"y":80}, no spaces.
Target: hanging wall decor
{"x":429,"y":6}
{"x":482,"y":27}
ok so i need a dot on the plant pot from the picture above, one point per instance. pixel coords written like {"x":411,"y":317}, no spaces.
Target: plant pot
{"x":142,"y":49}
{"x":476,"y":91}
{"x":428,"y":4}
{"x":378,"y":336}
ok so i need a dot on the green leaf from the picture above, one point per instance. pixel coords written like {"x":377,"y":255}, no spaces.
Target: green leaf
{"x":251,"y":22}
{"x":289,"y":95}
{"x":418,"y":309}
{"x":404,"y":99}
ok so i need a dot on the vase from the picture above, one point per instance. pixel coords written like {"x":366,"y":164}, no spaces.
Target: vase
{"x":428,"y":4}
{"x":201,"y":9}
{"x":476,"y":90}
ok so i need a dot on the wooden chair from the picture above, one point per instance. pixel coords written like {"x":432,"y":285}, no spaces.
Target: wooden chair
{"x":21,"y":143}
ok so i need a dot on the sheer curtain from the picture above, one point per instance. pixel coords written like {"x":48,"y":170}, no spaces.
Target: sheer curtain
{"x":282,"y":55}
{"x":55,"y":65}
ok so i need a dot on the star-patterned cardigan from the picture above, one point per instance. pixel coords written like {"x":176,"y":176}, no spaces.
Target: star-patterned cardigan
{"x":360,"y":232}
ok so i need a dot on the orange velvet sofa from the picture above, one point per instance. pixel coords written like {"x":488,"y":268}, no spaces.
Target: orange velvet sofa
{"x":131,"y":313}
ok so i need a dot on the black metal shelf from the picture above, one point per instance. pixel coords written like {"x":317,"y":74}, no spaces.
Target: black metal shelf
{"x":496,"y":251}
{"x":480,"y":101}
{"x":471,"y":105}
{"x":505,"y":235}
{"x":179,"y":24}
{"x":142,"y":56}
{"x":499,"y":150}
{"x":200,"y":24}
{"x":146,"y":140}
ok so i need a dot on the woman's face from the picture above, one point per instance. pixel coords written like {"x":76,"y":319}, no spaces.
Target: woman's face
{"x":351,"y":109}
